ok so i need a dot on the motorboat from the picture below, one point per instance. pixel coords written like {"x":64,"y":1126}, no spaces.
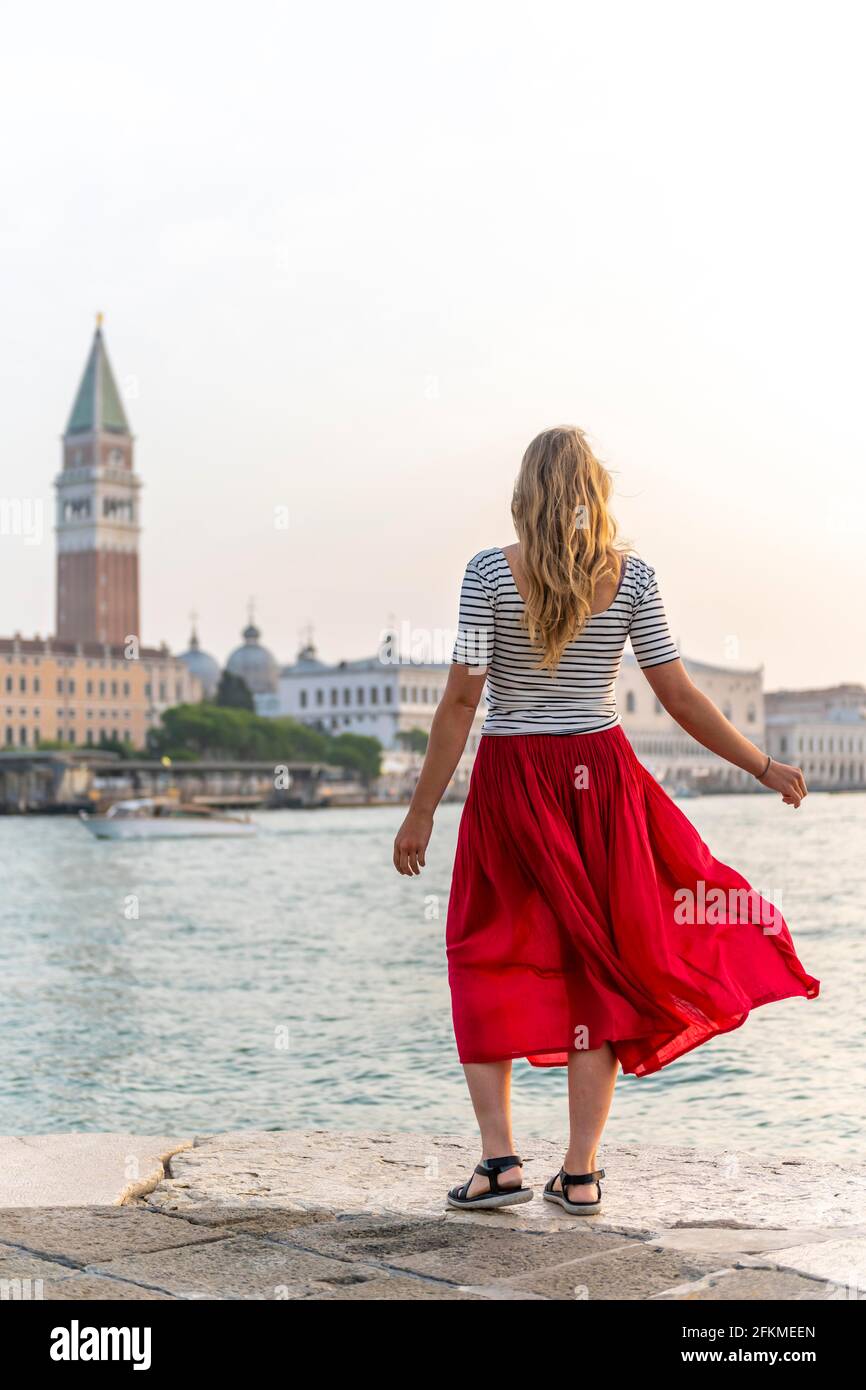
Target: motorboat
{"x":163,"y":818}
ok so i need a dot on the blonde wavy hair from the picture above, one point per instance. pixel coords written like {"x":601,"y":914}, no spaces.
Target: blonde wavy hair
{"x":567,"y":537}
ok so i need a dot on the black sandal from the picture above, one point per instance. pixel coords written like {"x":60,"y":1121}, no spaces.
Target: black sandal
{"x":574,"y":1180}
{"x":497,"y":1196}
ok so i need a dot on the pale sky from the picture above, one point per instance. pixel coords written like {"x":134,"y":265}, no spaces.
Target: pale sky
{"x":353,"y":257}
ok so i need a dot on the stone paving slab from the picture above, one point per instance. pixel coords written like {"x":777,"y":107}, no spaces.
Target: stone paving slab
{"x":81,"y":1170}
{"x":840,"y":1261}
{"x":21,"y":1264}
{"x":765,"y":1284}
{"x":275,"y":1216}
{"x":92,"y":1288}
{"x":85,"y":1235}
{"x":627,"y":1272}
{"x":238,"y":1267}
{"x":736,"y":1240}
{"x":468,"y":1253}
{"x":648,"y":1189}
{"x":279,"y":1225}
{"x":395,"y":1289}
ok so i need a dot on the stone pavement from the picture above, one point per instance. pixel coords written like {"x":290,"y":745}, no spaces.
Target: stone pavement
{"x":323,"y":1216}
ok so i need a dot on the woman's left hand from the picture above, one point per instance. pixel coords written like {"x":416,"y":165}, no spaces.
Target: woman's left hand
{"x":412,"y":840}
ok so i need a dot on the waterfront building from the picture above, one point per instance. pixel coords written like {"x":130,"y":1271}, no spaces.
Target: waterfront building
{"x":671,"y":754}
{"x":823,"y":731}
{"x":83,"y":692}
{"x":202,"y":665}
{"x":388,"y":699}
{"x":384,"y":699}
{"x":255,"y":665}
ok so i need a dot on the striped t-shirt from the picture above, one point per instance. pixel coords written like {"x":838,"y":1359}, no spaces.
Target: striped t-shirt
{"x":579,"y":697}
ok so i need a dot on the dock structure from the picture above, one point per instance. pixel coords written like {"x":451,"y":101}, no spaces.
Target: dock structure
{"x":72,"y":781}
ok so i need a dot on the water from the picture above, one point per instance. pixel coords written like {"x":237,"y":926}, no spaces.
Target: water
{"x":295,"y":981}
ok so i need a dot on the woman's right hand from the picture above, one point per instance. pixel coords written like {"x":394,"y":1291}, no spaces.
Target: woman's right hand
{"x":412,"y":840}
{"x":788,"y":781}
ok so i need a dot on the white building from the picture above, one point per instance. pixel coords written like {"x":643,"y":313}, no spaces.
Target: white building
{"x":382,"y":699}
{"x":388,"y":699}
{"x":823,"y":732}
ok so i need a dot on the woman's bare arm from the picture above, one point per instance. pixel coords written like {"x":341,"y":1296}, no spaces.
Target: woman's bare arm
{"x":697,"y":714}
{"x":450,"y":730}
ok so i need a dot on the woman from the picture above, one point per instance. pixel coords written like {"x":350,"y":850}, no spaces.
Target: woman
{"x":579,"y":928}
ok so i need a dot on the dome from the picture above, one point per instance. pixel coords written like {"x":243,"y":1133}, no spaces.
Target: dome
{"x":202,"y":665}
{"x":307,"y":661}
{"x":255,"y":665}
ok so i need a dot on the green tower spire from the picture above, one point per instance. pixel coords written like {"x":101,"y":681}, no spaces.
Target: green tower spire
{"x":98,"y":405}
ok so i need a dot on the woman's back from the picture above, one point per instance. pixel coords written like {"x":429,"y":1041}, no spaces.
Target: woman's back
{"x":579,"y":696}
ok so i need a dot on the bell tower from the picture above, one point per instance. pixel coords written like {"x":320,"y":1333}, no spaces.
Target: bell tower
{"x":97,"y":513}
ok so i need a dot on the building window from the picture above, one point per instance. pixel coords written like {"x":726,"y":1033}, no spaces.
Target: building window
{"x":630,"y":702}
{"x":783,"y":744}
{"x":22,"y":682}
{"x":10,"y":737}
{"x":59,"y":685}
{"x":102,"y":687}
{"x":374,"y":695}
{"x":8,"y":683}
{"x":360,"y":694}
{"x":302,"y":699}
{"x":320,"y":697}
{"x":387,"y":693}
{"x":22,"y":735}
{"x":335,"y":695}
{"x":347,"y":696}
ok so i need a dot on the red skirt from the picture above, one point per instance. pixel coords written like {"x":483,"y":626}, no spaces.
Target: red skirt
{"x":585,"y":909}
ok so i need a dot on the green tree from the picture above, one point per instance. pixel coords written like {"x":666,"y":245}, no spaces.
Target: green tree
{"x":234,"y":693}
{"x":212,"y":732}
{"x":116,"y":745}
{"x":358,"y":752}
{"x":413,"y":740}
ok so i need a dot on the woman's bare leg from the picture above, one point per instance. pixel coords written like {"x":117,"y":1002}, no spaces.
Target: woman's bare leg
{"x":490,"y":1089}
{"x":591,"y":1081}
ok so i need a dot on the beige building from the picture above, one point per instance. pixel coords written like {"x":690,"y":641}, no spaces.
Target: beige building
{"x":82,"y":692}
{"x":823,"y":732}
{"x":672,"y":756}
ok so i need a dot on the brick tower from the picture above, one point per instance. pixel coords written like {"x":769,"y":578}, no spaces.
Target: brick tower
{"x":97,"y":513}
